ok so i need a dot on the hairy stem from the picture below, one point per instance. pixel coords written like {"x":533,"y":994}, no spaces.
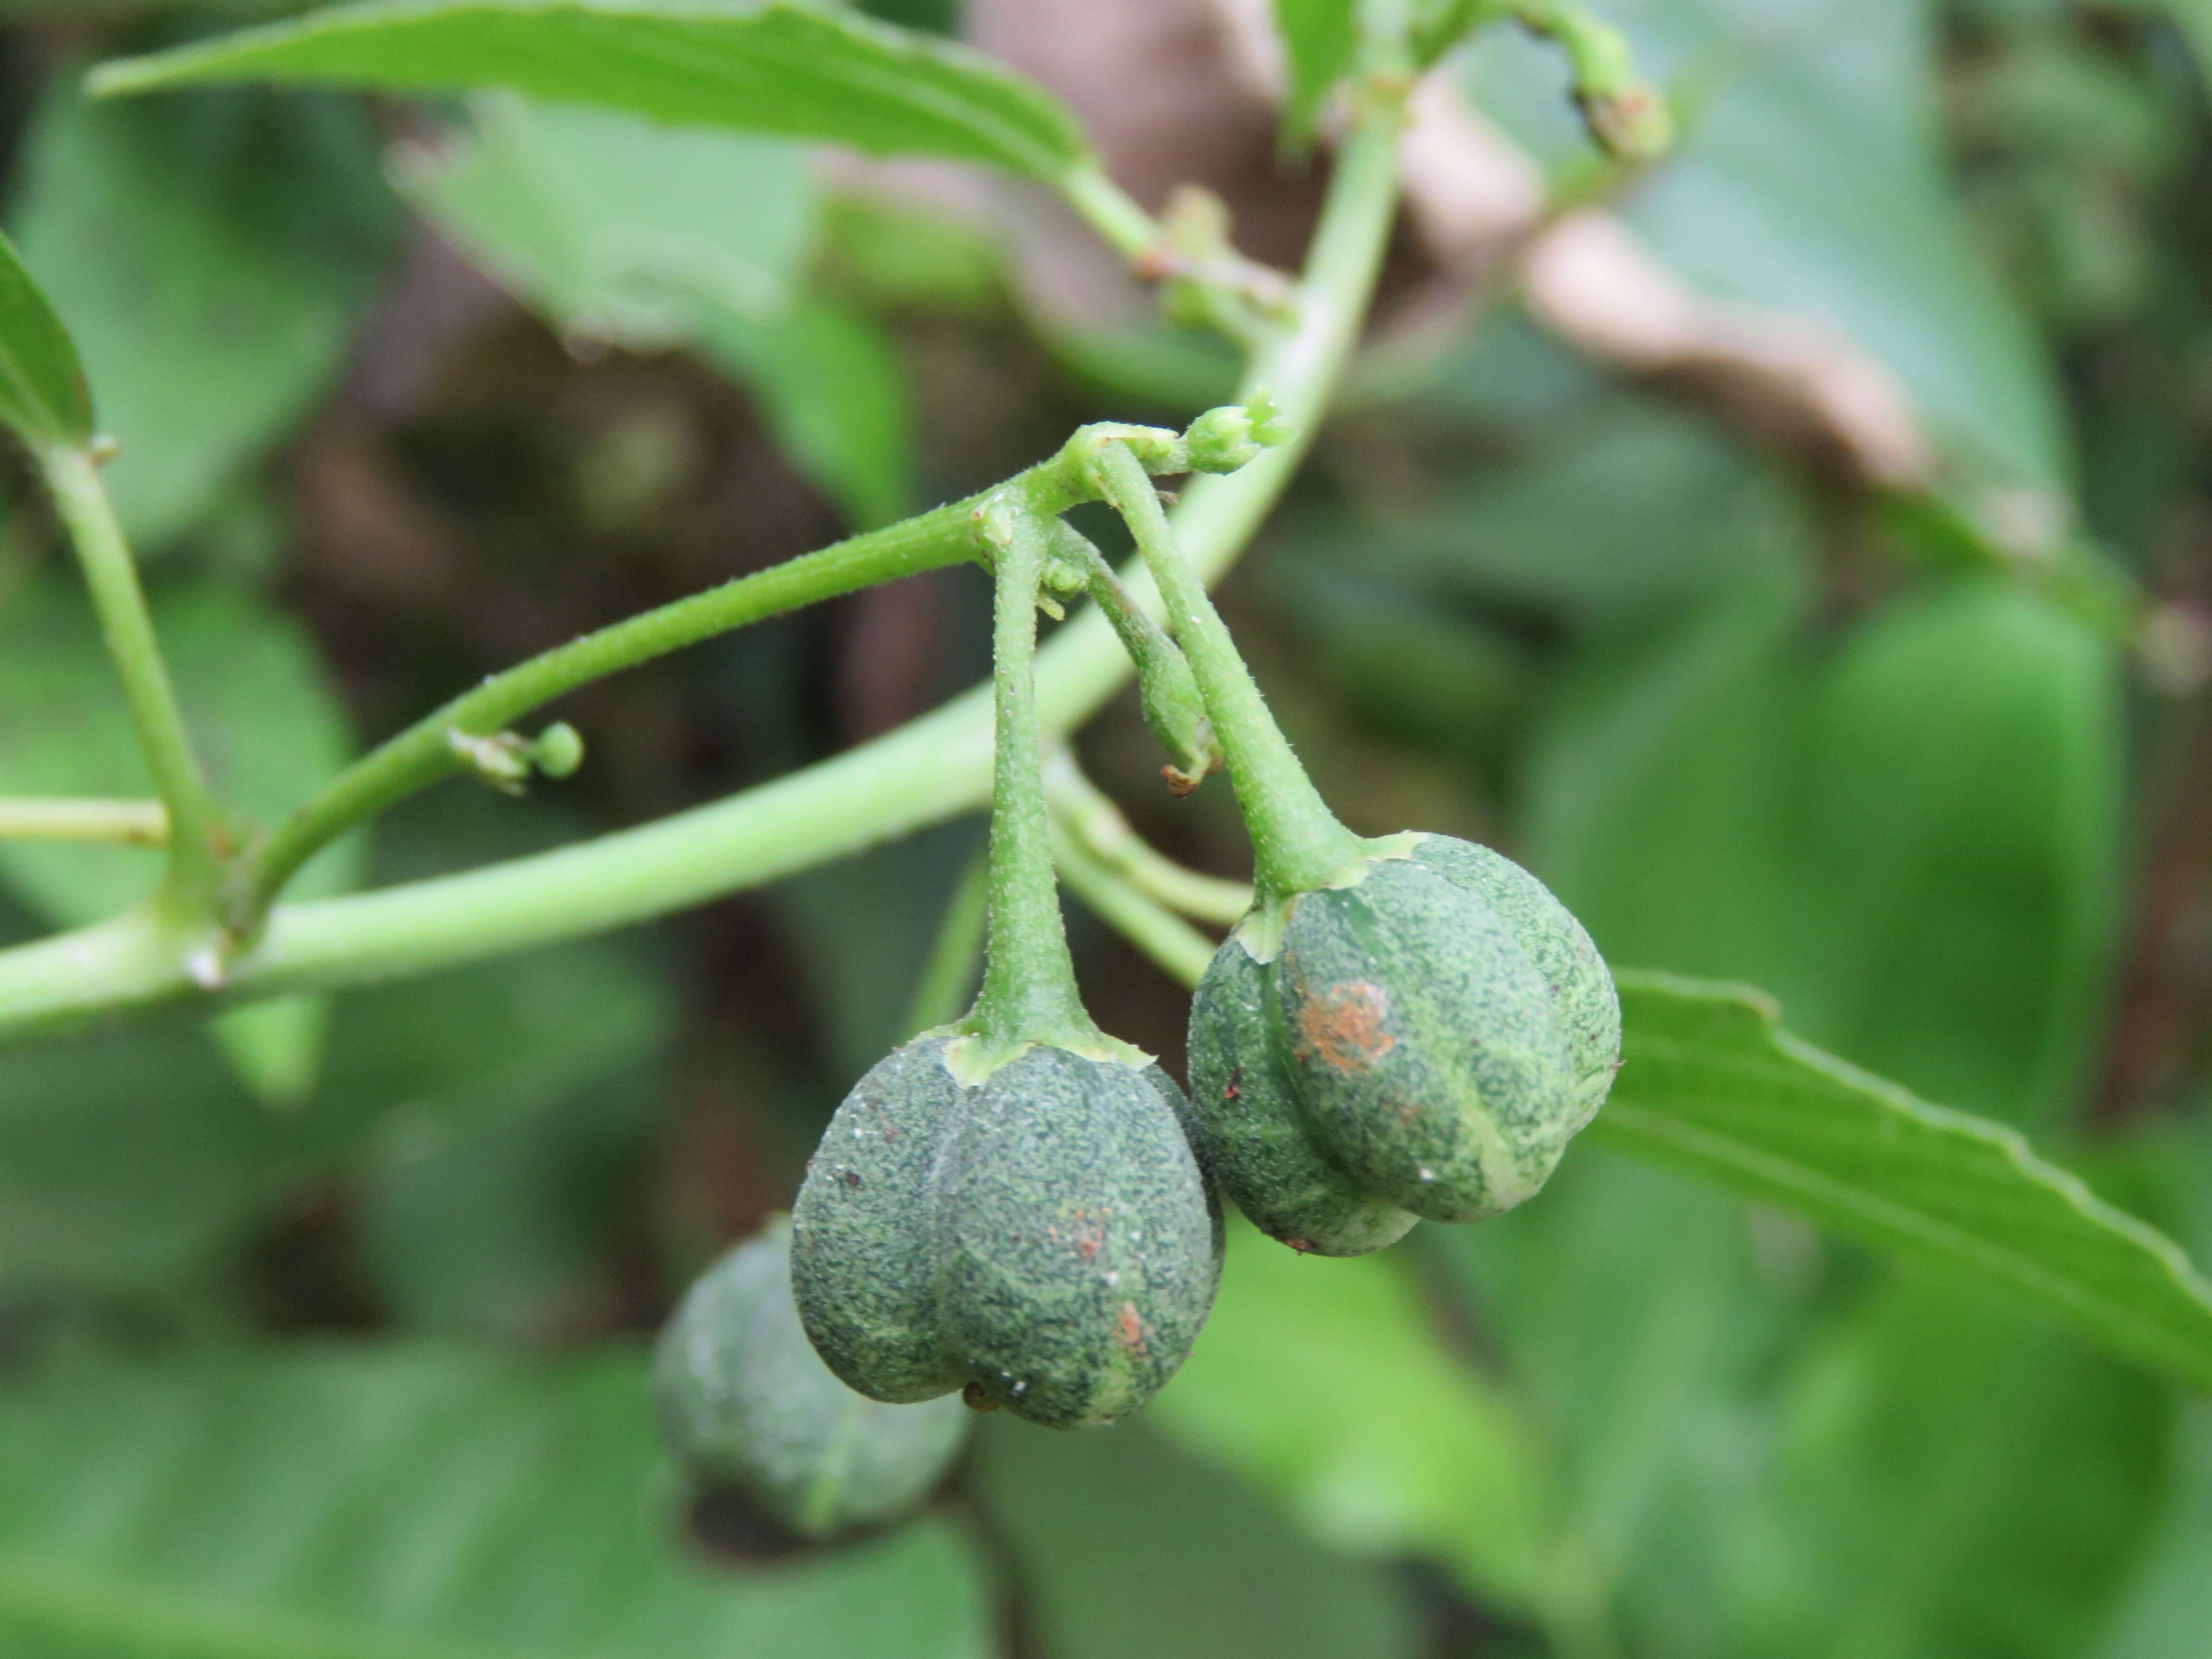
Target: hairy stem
{"x":1029,"y":992}
{"x":197,"y":838}
{"x":930,"y":770}
{"x":426,"y":751}
{"x":1297,"y":842}
{"x":126,"y":823}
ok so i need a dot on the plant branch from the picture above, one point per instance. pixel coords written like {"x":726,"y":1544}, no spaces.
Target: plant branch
{"x":197,"y":841}
{"x":128,"y":823}
{"x":1096,"y":825}
{"x":1179,"y":950}
{"x":932,"y":769}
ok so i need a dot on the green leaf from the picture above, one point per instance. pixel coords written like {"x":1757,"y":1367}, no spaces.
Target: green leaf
{"x":1126,"y":1547}
{"x":832,"y":388}
{"x":1812,"y":177}
{"x":612,"y":225}
{"x":2167,"y":1607}
{"x":1328,"y":1383}
{"x":128,"y":1160}
{"x":1319,"y":38}
{"x":42,"y":390}
{"x":1710,"y":1081}
{"x":410,"y":1503}
{"x":1946,"y":1477}
{"x":209,"y":253}
{"x":1909,"y":837}
{"x":1630,"y":1308}
{"x":804,"y":70}
{"x":618,"y":229}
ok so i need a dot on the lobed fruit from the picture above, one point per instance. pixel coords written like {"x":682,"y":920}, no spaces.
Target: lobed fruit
{"x":745,"y":1401}
{"x":1042,"y":1238}
{"x":1423,"y":1043}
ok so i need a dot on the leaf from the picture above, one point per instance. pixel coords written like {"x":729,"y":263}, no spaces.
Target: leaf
{"x":1327,"y":1382}
{"x":803,"y":71}
{"x":410,"y":1502}
{"x":610,"y":224}
{"x":2167,"y":1607}
{"x":616,"y":228}
{"x":128,"y":1160}
{"x":1811,"y":177}
{"x":1710,"y":1082}
{"x":833,"y":390}
{"x":1126,"y":1548}
{"x":1946,"y":1478}
{"x":43,"y":395}
{"x":1909,"y":836}
{"x":1319,"y":38}
{"x":209,"y":253}
{"x":1631,"y":1310}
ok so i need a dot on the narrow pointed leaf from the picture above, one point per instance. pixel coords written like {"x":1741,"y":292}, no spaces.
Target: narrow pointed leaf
{"x":806,"y":70}
{"x":1710,"y":1082}
{"x":42,"y":390}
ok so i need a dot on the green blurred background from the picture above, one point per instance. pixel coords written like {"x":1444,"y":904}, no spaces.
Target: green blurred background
{"x":1798,"y":654}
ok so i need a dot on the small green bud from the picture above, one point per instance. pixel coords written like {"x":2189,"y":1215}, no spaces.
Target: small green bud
{"x":1631,"y":123}
{"x":558,"y":750}
{"x":1223,"y":440}
{"x":745,"y":1401}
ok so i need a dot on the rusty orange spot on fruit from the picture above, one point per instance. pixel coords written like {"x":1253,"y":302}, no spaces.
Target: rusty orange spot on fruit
{"x":1132,"y":1331}
{"x":1343,"y":1026}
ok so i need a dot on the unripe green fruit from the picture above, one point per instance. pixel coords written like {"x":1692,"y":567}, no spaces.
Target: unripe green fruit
{"x":745,"y":1401}
{"x":1249,"y":1134}
{"x":1042,"y":1238}
{"x":1422,"y":1041}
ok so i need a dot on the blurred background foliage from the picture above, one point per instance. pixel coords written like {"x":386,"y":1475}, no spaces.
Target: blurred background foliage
{"x":321,"y":1324}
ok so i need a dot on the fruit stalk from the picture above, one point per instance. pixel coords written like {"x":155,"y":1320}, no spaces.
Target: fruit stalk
{"x":1297,"y":844}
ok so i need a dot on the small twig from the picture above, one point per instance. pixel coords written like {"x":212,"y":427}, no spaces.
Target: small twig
{"x":1096,"y":826}
{"x":124,"y":822}
{"x":1180,"y":949}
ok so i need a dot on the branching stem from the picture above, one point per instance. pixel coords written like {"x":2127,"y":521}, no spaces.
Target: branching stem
{"x":197,"y":841}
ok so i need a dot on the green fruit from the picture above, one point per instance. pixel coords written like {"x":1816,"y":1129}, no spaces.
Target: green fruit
{"x":745,"y":1401}
{"x":1248,"y":1130}
{"x":1042,"y":1237}
{"x":1588,"y":1007}
{"x":1422,"y":1041}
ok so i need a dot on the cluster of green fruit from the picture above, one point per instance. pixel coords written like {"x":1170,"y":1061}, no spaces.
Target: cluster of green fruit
{"x":1021,"y":1211}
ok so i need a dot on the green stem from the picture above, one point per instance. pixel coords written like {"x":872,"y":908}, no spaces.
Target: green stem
{"x":1096,"y":825}
{"x":426,"y":751}
{"x":1029,"y":992}
{"x":1297,"y":842}
{"x":1179,"y":950}
{"x":1110,"y":211}
{"x":197,"y":841}
{"x":128,"y":823}
{"x":1172,"y":710}
{"x":931,"y":770}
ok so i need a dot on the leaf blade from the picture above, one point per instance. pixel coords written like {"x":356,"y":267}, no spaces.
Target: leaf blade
{"x":43,"y":394}
{"x":775,"y":67}
{"x":1711,"y":1081}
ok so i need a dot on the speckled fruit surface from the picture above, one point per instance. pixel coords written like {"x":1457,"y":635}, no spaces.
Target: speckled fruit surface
{"x":1043,"y":1238}
{"x":744,"y":1400}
